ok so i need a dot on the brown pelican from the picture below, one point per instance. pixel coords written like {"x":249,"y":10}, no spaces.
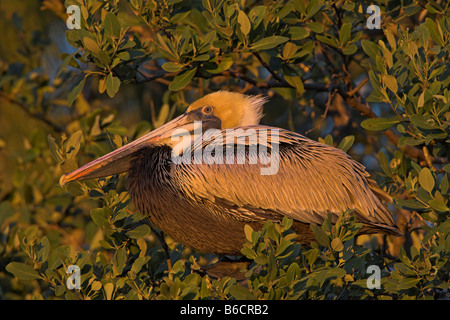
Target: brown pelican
{"x":205,"y":204}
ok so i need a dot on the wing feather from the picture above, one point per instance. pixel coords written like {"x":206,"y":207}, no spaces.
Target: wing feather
{"x":313,"y":180}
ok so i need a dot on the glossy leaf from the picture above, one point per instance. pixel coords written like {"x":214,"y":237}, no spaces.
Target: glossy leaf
{"x":378,"y":124}
{"x":76,"y":89}
{"x":268,"y":43}
{"x":426,"y":179}
{"x":244,"y":22}
{"x":22,"y":271}
{"x":182,"y":80}
{"x":112,"y":85}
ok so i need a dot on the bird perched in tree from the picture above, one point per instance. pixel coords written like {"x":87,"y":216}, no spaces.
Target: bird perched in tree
{"x":200,"y":178}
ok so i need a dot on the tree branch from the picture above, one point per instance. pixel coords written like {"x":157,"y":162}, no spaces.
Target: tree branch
{"x":273,"y":73}
{"x":31,"y":114}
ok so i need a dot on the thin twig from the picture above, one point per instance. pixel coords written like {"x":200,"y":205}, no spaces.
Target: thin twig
{"x":273,"y":73}
{"x":428,"y":158}
{"x":352,"y":92}
{"x":324,"y":115}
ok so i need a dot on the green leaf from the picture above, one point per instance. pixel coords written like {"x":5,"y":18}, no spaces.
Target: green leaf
{"x":313,"y":7}
{"x":346,"y":143}
{"x":444,"y":184}
{"x":311,"y":255}
{"x":76,"y":89}
{"x":336,"y":272}
{"x":182,"y":80}
{"x":298,"y":33}
{"x":105,"y":59}
{"x":350,"y":49}
{"x":42,"y":249}
{"x":416,"y":166}
{"x":296,"y":82}
{"x":390,"y":82}
{"x":22,"y":271}
{"x":138,"y":263}
{"x":6,"y":211}
{"x":424,"y":121}
{"x":163,"y":47}
{"x":438,"y":205}
{"x":447,"y":168}
{"x":120,"y":259}
{"x":391,"y":39}
{"x":320,"y":235}
{"x":405,"y":140}
{"x":68,"y":165}
{"x":337,"y":245}
{"x":248,"y":232}
{"x":75,"y":189}
{"x":379,"y":124}
{"x":139,"y":232}
{"x":315,"y":27}
{"x":68,"y":60}
{"x":72,"y":145}
{"x":421,"y":101}
{"x":330,"y":40}
{"x":261,"y":259}
{"x":202,"y":57}
{"x":109,"y":288}
{"x":410,"y":204}
{"x":244,"y":22}
{"x":345,"y":33}
{"x":91,"y":45}
{"x":370,"y":48}
{"x":289,"y":50}
{"x":111,"y":25}
{"x":172,"y":66}
{"x":426,"y":179}
{"x":241,"y":293}
{"x":285,"y":244}
{"x":54,"y":149}
{"x":435,"y":31}
{"x":98,"y":215}
{"x":102,"y":85}
{"x":256,"y":15}
{"x":268,"y":43}
{"x":384,"y":163}
{"x":432,"y":136}
{"x":112,"y":85}
{"x":225,"y":64}
{"x":407,"y":283}
{"x":208,"y":5}
{"x":287,"y":223}
{"x":328,"y":140}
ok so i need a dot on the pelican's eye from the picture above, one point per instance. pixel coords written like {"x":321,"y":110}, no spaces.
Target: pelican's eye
{"x":207,"y":110}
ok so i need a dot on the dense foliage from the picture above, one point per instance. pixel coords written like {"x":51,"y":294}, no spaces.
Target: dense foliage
{"x":66,"y":98}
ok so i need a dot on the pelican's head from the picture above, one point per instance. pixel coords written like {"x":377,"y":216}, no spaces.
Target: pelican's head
{"x":231,"y":108}
{"x":218,"y":110}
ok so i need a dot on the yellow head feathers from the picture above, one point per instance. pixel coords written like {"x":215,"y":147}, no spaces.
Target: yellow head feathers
{"x":232,"y":108}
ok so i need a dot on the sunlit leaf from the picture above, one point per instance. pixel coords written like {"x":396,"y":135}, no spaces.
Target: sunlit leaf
{"x":426,"y":179}
{"x":22,"y":271}
{"x":182,"y":80}
{"x":378,"y":124}
{"x":268,"y":43}
{"x":112,"y":85}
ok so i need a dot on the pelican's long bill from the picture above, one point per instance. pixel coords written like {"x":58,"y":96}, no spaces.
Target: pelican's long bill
{"x":118,"y":161}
